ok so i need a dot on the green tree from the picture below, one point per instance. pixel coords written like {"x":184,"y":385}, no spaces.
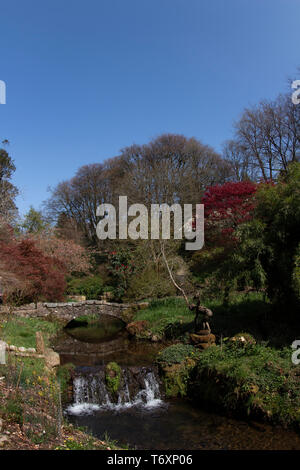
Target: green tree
{"x":269,"y":245}
{"x":34,"y":222}
{"x":279,"y":210}
{"x":8,"y":192}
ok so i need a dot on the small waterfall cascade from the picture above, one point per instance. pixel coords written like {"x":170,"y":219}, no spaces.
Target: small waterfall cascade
{"x":139,"y":387}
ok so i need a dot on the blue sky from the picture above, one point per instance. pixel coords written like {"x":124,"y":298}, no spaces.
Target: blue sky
{"x":86,"y":78}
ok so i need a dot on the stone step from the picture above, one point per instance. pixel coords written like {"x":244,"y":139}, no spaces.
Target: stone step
{"x":210,"y":338}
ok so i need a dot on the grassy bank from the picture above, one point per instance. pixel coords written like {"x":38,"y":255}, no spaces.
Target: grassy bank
{"x":245,"y":312}
{"x":256,"y":380}
{"x":164,"y":314}
{"x":253,"y":380}
{"x":21,"y":331}
{"x":31,"y":395}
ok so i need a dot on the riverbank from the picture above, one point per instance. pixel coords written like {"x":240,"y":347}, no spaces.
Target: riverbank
{"x":31,"y":396}
{"x":243,"y":380}
{"x":249,"y":378}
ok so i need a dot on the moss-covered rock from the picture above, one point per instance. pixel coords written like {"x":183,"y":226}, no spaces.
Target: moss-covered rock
{"x":176,"y":363}
{"x":113,"y":374}
{"x":176,"y":377}
{"x":128,"y":314}
{"x":139,"y":329}
{"x":241,"y":340}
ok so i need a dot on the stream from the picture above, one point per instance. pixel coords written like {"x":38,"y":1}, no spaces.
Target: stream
{"x":140,"y":417}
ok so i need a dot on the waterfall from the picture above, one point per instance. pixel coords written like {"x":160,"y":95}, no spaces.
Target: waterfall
{"x":139,"y":387}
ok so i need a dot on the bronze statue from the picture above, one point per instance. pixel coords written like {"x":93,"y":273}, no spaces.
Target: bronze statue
{"x":202,"y":314}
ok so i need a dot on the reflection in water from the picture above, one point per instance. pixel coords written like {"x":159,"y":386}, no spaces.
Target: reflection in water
{"x":97,"y":331}
{"x":120,"y":349}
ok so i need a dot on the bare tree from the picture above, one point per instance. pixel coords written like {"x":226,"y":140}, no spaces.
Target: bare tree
{"x":267,"y":138}
{"x":171,"y":168}
{"x":78,"y":198}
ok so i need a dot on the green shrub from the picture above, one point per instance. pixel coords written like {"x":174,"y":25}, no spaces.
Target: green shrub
{"x":91,"y":287}
{"x":149,"y":283}
{"x":177,"y":353}
{"x":108,"y":289}
{"x":269,"y":244}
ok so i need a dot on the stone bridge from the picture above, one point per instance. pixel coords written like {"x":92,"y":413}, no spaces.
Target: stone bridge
{"x":65,"y":312}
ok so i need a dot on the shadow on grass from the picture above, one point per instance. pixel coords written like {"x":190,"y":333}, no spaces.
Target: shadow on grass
{"x":248,"y":313}
{"x":254,"y":315}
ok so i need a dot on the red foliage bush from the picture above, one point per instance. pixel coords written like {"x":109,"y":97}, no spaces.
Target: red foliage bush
{"x":225,"y":207}
{"x":42,"y":277}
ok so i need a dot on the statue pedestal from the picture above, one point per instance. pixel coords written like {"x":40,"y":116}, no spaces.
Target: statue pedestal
{"x":203,"y":339}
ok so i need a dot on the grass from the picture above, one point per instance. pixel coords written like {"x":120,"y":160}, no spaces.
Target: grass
{"x":88,"y":442}
{"x":243,"y":313}
{"x":12,"y":409}
{"x":249,"y":312}
{"x":177,"y":353}
{"x":21,"y":331}
{"x":162,"y":313}
{"x":27,"y":368}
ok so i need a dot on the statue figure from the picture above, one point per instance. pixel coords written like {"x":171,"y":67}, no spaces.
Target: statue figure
{"x":202,"y":314}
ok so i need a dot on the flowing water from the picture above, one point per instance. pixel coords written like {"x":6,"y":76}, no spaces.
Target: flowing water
{"x":139,"y":416}
{"x":139,"y":388}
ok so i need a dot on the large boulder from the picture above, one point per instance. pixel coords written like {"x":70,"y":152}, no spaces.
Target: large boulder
{"x":52,"y":358}
{"x":113,"y":374}
{"x":242,"y":340}
{"x":176,"y":377}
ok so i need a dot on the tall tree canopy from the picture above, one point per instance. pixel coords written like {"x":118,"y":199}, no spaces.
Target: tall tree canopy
{"x":8,"y":191}
{"x":170,"y":168}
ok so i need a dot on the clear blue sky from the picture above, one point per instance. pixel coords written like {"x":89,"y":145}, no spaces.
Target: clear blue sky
{"x":86,"y":78}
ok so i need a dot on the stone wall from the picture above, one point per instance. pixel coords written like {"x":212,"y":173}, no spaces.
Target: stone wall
{"x":65,"y":312}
